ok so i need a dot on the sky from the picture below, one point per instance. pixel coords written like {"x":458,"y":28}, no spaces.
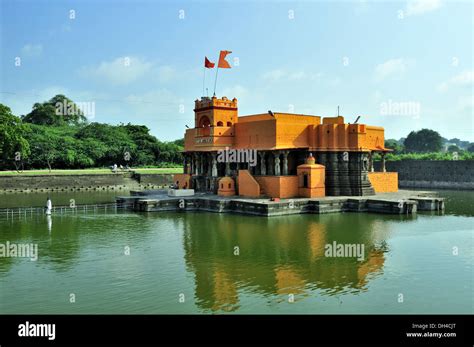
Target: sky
{"x":403,"y":65}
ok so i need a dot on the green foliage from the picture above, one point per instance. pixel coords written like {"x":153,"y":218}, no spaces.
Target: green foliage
{"x":12,"y":136}
{"x":54,"y":141}
{"x":423,"y":141}
{"x":471,"y":148}
{"x":462,"y":155}
{"x":453,"y":148}
{"x":394,"y":144}
{"x":58,"y":111}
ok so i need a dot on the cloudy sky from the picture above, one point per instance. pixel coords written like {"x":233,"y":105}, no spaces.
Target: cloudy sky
{"x":402,"y":65}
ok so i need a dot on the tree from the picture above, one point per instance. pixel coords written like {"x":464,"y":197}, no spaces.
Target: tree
{"x":394,"y":144}
{"x":470,"y":148}
{"x":13,"y":144}
{"x":57,"y":111}
{"x":453,"y":148}
{"x":425,"y":140}
{"x":45,"y":147}
{"x":179,"y":142}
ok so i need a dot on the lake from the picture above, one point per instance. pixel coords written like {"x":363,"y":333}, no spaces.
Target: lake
{"x":123,"y":262}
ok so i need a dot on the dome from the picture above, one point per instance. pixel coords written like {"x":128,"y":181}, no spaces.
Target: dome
{"x":226,"y":180}
{"x":310,"y":160}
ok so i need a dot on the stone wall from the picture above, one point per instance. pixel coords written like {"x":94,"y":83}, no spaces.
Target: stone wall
{"x":154,"y":179}
{"x":118,"y":181}
{"x":434,"y":174}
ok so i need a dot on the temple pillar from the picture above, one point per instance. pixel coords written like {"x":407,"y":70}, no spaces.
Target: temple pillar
{"x":276,"y":156}
{"x":214,"y":165}
{"x":196,"y":164}
{"x":209,"y":166}
{"x":202,"y":163}
{"x":263,"y":166}
{"x":227,"y":168}
{"x":270,"y":164}
{"x":383,"y":162}
{"x":285,"y":162}
{"x":371,"y":162}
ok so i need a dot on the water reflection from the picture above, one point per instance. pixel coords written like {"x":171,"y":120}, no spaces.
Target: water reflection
{"x":279,"y":256}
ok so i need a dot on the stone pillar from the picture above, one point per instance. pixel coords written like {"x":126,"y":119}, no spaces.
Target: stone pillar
{"x":270,"y":164}
{"x":276,"y":155}
{"x":263,"y":166}
{"x":371,"y":162}
{"x":227,"y":168}
{"x":214,"y":165}
{"x":209,"y":166}
{"x":383,"y":162}
{"x":202,"y":163}
{"x":196,"y":164}
{"x":285,"y":162}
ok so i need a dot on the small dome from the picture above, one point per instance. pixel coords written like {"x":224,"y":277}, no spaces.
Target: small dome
{"x":226,"y":179}
{"x":310,"y":160}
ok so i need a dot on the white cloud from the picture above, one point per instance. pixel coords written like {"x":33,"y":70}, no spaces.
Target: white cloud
{"x":166,"y":73}
{"x":390,"y":68}
{"x":275,"y":75}
{"x":465,"y":78}
{"x":120,"y":71}
{"x":416,"y":7}
{"x":32,"y":50}
{"x":297,"y":75}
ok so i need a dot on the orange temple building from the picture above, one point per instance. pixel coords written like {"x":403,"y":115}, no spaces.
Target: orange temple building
{"x":295,"y":155}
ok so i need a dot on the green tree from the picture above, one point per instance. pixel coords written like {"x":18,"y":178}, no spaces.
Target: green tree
{"x":470,"y":148}
{"x":453,"y":148}
{"x":57,"y":111}
{"x":45,"y":147}
{"x":13,"y":144}
{"x":394,"y":144}
{"x":115,"y":141}
{"x":425,"y":140}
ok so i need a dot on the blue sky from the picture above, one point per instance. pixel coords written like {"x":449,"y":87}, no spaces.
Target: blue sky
{"x":368,"y":57}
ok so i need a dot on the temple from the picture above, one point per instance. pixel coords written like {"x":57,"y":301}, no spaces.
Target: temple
{"x":280,"y":155}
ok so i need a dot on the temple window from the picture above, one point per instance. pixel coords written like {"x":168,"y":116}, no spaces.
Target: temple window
{"x":220,"y":124}
{"x":229,"y":124}
{"x":204,"y":122}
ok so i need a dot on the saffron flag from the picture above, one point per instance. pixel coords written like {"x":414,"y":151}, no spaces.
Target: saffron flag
{"x":223,"y":64}
{"x":208,"y":64}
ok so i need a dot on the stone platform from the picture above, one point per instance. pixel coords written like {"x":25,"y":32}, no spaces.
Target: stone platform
{"x":402,"y":202}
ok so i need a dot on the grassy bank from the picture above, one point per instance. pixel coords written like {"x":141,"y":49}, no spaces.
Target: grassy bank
{"x":89,"y":172}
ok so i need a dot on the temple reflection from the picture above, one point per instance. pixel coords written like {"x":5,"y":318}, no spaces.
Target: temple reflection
{"x":279,"y":256}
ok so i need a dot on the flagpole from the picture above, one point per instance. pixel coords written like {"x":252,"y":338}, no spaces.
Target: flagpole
{"x":204,"y":80}
{"x":215,"y":82}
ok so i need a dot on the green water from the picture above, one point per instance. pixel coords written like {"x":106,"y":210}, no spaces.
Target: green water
{"x":192,"y":256}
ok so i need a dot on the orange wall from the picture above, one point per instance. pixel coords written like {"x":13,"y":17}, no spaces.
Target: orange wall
{"x":248,"y":186}
{"x":183,"y":180}
{"x":280,"y":131}
{"x":279,"y":186}
{"x":350,"y":137}
{"x":257,"y":135}
{"x":384,"y":182}
{"x":293,"y":131}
